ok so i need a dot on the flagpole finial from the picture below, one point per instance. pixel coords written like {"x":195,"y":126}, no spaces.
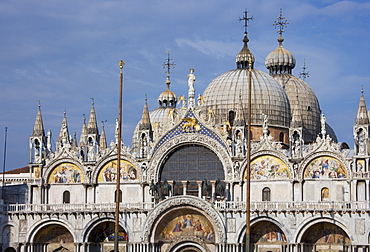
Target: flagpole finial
{"x":121,"y":64}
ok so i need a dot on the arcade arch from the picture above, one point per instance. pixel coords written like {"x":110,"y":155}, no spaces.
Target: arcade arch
{"x":325,"y":236}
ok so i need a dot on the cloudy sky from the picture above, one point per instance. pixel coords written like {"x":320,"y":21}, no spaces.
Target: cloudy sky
{"x":66,"y":52}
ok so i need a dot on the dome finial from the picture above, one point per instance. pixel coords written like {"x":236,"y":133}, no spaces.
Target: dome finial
{"x":245,"y":55}
{"x":280,"y":23}
{"x":168,"y":63}
{"x":246,"y":21}
{"x":168,"y":98}
{"x":304,"y":73}
{"x":39,"y":102}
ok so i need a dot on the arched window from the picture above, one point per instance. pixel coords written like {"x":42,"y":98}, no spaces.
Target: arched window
{"x":325,"y":194}
{"x":281,"y":137}
{"x":66,"y":197}
{"x":119,"y":197}
{"x":231,"y":117}
{"x":266,"y":194}
{"x":191,"y":163}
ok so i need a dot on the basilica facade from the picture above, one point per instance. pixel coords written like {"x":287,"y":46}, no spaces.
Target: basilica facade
{"x":183,"y":180}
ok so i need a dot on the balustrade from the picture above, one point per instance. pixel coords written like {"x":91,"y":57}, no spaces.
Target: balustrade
{"x":269,"y":206}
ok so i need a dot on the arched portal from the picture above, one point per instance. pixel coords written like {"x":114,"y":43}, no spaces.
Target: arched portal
{"x":101,"y":237}
{"x":326,"y":237}
{"x":267,"y":236}
{"x":55,"y":237}
{"x":187,"y":244}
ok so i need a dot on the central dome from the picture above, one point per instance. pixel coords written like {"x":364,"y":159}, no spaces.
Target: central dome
{"x":268,"y":97}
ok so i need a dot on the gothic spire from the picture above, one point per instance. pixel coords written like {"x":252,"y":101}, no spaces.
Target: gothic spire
{"x":83,"y":136}
{"x":38,"y":128}
{"x":74,"y":141}
{"x":63,"y":138}
{"x":103,"y":139}
{"x":92,"y":127}
{"x":362,"y":114}
{"x":145,"y":119}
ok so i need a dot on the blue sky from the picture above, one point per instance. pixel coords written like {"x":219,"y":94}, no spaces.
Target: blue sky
{"x":66,"y":52}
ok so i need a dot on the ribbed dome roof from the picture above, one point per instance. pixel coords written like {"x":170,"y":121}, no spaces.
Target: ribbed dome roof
{"x":161,"y":115}
{"x":302,"y":98}
{"x":268,"y":97}
{"x":280,"y":60}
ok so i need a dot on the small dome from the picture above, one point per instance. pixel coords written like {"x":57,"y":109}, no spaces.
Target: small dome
{"x":280,"y":60}
{"x":167,"y":99}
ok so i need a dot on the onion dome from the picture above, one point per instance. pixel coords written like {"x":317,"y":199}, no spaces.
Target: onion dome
{"x":280,"y":60}
{"x":226,"y":91}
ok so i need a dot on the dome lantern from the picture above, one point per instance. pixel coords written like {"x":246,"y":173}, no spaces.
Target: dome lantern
{"x":280,"y":61}
{"x":245,"y":55}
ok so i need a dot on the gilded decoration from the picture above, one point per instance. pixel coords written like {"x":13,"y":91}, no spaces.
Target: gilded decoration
{"x":325,"y":167}
{"x":66,"y":173}
{"x":269,"y":167}
{"x":360,"y":164}
{"x":267,"y":232}
{"x":185,"y":223}
{"x":109,"y":172}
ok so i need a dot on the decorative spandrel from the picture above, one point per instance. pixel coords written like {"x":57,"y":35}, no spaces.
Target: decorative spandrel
{"x":66,"y":173}
{"x":325,"y":167}
{"x":109,"y":172}
{"x":269,"y":167}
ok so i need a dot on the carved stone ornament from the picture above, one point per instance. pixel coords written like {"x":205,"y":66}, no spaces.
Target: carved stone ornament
{"x":184,"y":201}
